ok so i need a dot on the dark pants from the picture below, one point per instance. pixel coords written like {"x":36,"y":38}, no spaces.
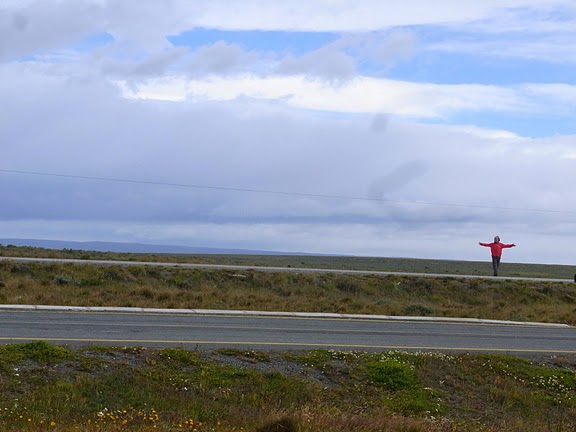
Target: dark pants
{"x":495,"y":264}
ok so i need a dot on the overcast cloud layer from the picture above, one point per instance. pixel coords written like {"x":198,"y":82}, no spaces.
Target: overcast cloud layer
{"x":413,"y":129}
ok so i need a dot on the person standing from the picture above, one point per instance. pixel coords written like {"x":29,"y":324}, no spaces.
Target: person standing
{"x":496,"y":249}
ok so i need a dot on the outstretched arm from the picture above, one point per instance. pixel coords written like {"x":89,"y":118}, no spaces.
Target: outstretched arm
{"x":508,"y":245}
{"x":484,"y":244}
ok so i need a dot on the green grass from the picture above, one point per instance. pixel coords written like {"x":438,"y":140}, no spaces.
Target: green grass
{"x":46,"y":387}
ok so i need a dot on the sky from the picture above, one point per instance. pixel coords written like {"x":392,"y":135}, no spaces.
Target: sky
{"x":366,"y":127}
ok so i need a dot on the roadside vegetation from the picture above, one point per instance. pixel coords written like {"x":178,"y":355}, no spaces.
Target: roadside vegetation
{"x":45,"y":387}
{"x":407,"y":265}
{"x":69,"y":284}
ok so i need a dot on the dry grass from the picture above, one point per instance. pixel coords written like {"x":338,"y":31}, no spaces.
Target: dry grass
{"x":407,"y":265}
{"x":180,"y":288}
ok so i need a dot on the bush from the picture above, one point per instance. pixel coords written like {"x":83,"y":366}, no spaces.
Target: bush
{"x":64,"y":280}
{"x":391,"y":374}
{"x":347,"y":286}
{"x":43,"y":352}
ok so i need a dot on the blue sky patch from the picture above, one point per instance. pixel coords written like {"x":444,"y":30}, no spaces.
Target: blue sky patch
{"x":279,"y":41}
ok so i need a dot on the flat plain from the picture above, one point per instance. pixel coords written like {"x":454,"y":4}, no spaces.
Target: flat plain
{"x":47,"y":387}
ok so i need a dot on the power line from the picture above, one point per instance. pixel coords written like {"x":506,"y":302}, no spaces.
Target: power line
{"x":301,"y":194}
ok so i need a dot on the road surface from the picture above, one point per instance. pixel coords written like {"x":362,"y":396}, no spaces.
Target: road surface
{"x":269,"y":330}
{"x":279,"y":332}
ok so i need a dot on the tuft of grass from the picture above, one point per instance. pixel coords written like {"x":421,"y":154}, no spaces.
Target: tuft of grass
{"x":285,"y":424}
{"x":391,"y":374}
{"x":180,"y":355}
{"x":418,"y":310}
{"x":43,"y":352}
{"x":250,"y":355}
{"x":40,"y":352}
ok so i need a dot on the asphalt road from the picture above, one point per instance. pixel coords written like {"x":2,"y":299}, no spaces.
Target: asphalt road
{"x":258,"y":331}
{"x":276,"y":332}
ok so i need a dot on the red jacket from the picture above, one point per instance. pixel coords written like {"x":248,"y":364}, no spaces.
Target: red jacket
{"x":496,"y":248}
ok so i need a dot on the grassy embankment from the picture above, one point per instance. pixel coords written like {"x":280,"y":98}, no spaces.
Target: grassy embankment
{"x":45,"y":387}
{"x":181,"y":288}
{"x":54,"y":388}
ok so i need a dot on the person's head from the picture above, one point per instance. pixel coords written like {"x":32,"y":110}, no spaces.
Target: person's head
{"x":496,"y":239}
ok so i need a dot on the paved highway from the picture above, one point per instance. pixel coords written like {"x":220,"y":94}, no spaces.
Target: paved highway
{"x":119,"y":326}
{"x":279,"y":332}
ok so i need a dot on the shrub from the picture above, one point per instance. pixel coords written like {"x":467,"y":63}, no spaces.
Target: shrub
{"x":180,"y":282}
{"x":391,"y":374}
{"x":38,"y":351}
{"x":180,"y":355}
{"x":285,"y":424}
{"x":64,"y":280}
{"x":347,"y":286}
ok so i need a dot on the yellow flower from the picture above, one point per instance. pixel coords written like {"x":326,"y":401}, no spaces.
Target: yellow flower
{"x":52,"y":423}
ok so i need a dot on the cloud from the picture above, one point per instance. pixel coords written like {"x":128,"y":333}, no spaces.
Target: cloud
{"x":535,"y":31}
{"x":380,"y":123}
{"x":555,"y":48}
{"x":529,"y":19}
{"x":327,"y":62}
{"x":357,"y":95}
{"x":554,"y":93}
{"x":30,"y":28}
{"x":365,"y":15}
{"x":153,"y":65}
{"x":334,"y":63}
{"x":382,"y":48}
{"x":219,"y":145}
{"x":399,"y":177}
{"x":220,"y":58}
{"x":33,"y":26}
